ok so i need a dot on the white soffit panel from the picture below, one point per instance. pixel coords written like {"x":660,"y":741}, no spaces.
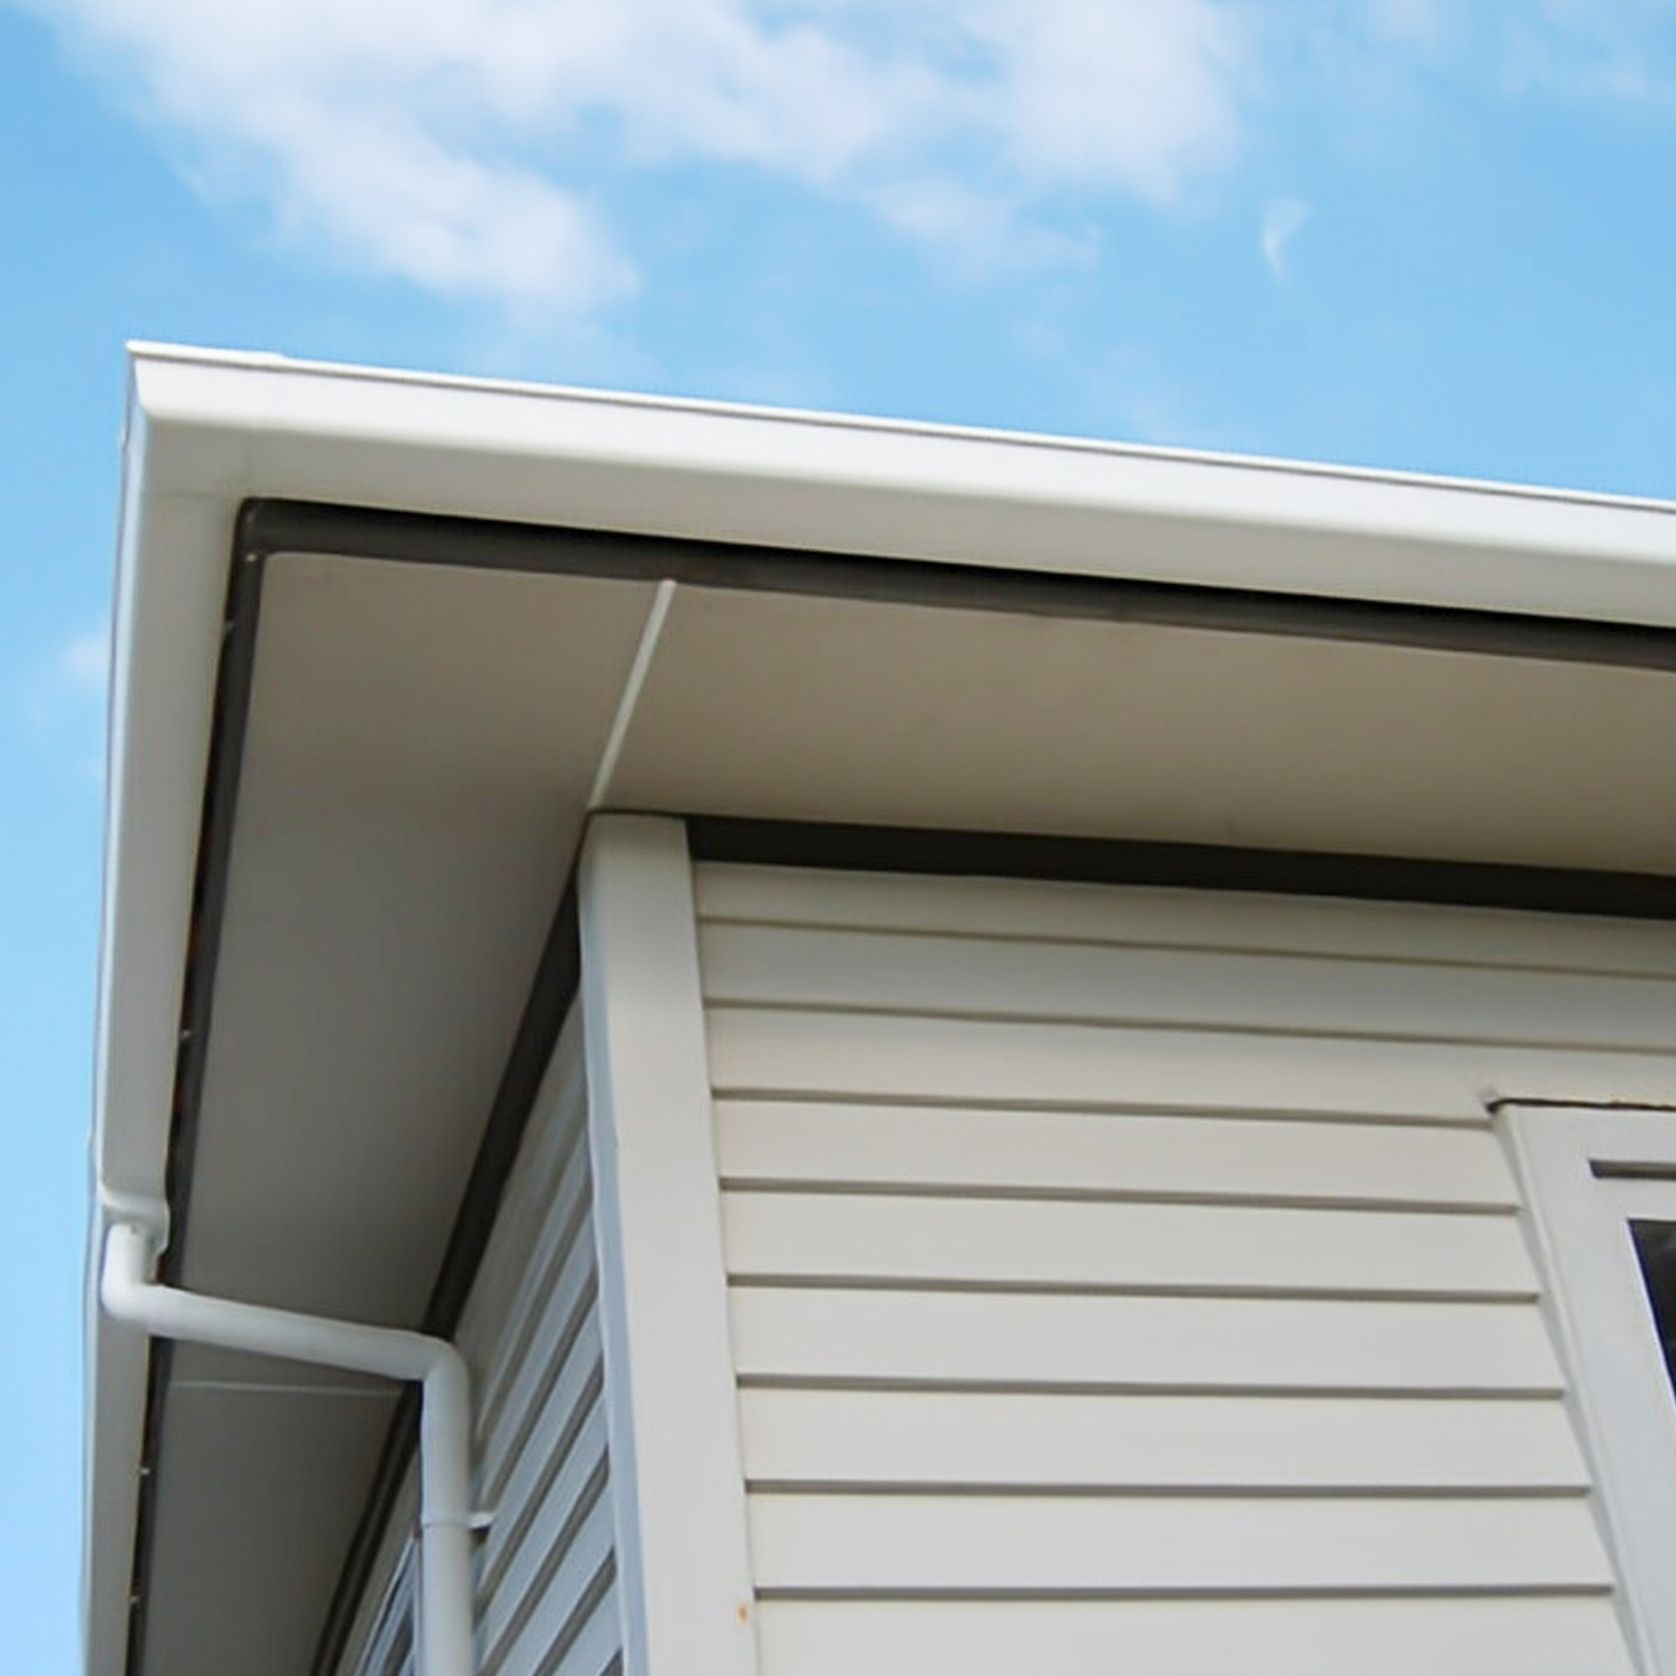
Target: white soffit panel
{"x":796,"y":708}
{"x":266,"y":1475}
{"x":419,"y":747}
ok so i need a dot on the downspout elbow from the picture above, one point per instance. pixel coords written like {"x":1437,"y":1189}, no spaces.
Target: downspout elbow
{"x":129,"y":1293}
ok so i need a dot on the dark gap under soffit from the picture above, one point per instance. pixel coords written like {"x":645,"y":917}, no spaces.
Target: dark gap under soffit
{"x":1117,"y":861}
{"x":269,"y":526}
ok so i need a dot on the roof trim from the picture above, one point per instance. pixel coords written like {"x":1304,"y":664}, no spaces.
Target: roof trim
{"x":232,"y":427}
{"x":187,"y":355}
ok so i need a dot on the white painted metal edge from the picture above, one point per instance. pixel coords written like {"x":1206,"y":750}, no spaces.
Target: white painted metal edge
{"x":230,"y":426}
{"x":171,"y":582}
{"x":677,"y":1474}
{"x":190,"y":355}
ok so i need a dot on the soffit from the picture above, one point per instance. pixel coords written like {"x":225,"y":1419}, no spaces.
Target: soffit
{"x":418,"y":751}
{"x":770,"y":705}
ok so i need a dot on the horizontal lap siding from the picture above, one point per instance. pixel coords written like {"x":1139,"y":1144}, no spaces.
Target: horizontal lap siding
{"x":1130,"y":1281}
{"x":908,"y":1241}
{"x":545,"y":1573}
{"x":971,"y":978}
{"x":1039,"y":911}
{"x":1068,"y":1342}
{"x":882,"y":1440}
{"x":1139,"y":1544}
{"x":1419,"y":1636}
{"x":834,"y":1146}
{"x":804,"y":1054}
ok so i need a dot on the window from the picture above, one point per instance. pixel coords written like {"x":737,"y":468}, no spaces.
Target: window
{"x":1655,"y":1249}
{"x":1600,"y":1185}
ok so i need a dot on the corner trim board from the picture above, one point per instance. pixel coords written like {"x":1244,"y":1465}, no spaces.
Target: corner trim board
{"x":677,"y":1473}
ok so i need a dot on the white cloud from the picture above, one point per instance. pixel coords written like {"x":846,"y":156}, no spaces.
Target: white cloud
{"x":442,"y":141}
{"x":1283,"y":220}
{"x":1133,"y":95}
{"x":450,"y":143}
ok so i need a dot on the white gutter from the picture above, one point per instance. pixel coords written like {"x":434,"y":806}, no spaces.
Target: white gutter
{"x":129,"y":1293}
{"x":223,"y":426}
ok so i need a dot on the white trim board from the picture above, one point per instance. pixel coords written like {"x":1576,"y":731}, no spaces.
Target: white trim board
{"x":677,"y":1481}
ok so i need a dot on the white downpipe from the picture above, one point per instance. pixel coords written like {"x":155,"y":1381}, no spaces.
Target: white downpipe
{"x":445,"y":1514}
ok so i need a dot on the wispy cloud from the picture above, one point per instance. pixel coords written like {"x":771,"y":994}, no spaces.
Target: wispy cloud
{"x":460,"y":145}
{"x":1283,"y":220}
{"x":447,"y":141}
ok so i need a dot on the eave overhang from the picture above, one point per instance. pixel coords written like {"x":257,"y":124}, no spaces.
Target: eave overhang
{"x":487,"y":608}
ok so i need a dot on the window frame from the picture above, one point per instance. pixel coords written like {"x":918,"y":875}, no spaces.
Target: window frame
{"x":1586,"y":1173}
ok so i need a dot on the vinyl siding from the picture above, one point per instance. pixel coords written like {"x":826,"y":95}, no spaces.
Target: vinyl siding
{"x":546,"y":1567}
{"x":1130,"y":1281}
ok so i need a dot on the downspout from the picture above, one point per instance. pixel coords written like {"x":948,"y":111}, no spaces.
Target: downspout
{"x":129,"y":1293}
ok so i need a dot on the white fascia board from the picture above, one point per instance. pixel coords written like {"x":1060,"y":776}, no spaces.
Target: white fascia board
{"x":171,"y":589}
{"x":171,"y":585}
{"x":237,"y":425}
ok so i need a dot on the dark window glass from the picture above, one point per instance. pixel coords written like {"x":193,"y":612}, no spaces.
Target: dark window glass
{"x":1655,"y":1245}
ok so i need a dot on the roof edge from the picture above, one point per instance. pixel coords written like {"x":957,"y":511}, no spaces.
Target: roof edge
{"x":231,"y":426}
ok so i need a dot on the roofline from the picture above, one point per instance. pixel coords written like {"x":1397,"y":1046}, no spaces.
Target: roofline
{"x":267,"y":360}
{"x":231,"y":426}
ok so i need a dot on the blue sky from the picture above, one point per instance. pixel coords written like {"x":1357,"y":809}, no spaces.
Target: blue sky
{"x":1429,"y":234}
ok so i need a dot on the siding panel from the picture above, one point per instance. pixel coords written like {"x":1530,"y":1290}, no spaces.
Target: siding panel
{"x":831,"y":1145}
{"x":1439,"y":1637}
{"x":1037,"y":910}
{"x":1018,"y":1243}
{"x":790,"y":1053}
{"x":859,"y":1439}
{"x":1149,"y":1545}
{"x":531,"y":1334}
{"x":1058,"y":1341}
{"x":988,"y":978}
{"x":1129,"y":1281}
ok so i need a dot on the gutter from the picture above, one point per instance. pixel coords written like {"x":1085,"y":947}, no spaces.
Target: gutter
{"x":223,"y":427}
